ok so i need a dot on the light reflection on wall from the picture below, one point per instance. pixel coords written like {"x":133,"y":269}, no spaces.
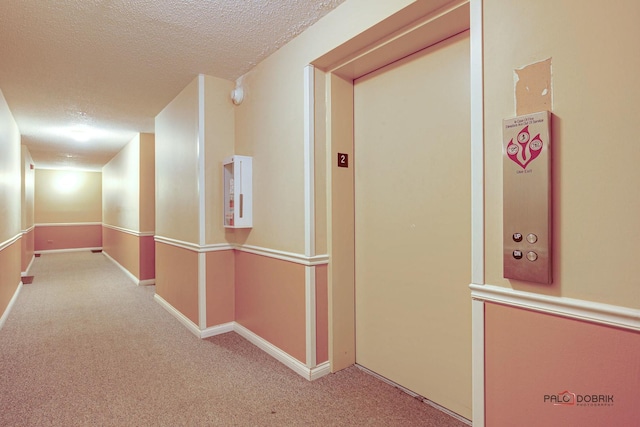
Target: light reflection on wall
{"x":68,"y":182}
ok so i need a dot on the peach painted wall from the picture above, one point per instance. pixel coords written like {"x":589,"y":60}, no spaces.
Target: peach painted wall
{"x":219,"y":137}
{"x":27,"y":197}
{"x":28,"y":249}
{"x":595,"y":222}
{"x":595,"y":213}
{"x":531,"y":355}
{"x":60,"y":237}
{"x":147,"y":260}
{"x":121,"y":188}
{"x":10,"y":205}
{"x":65,"y":196}
{"x":176,"y":158}
{"x":10,"y":277}
{"x":177,"y":278}
{"x":147,"y":182}
{"x":68,"y":209}
{"x":134,"y":253}
{"x":28,"y":184}
{"x":322,"y":315}
{"x":269,"y":125}
{"x":122,"y":247}
{"x":187,"y":209}
{"x":270,"y":301}
{"x":270,"y":122}
{"x":220,"y":287}
{"x":129,"y":207}
{"x":128,"y":190}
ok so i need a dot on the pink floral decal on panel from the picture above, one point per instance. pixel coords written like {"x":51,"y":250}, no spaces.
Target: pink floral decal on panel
{"x":525,"y":149}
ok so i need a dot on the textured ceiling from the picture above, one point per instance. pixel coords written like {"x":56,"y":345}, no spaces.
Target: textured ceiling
{"x":112,"y":65}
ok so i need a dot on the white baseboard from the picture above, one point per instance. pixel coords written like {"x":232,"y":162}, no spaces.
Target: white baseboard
{"x":181,"y":317}
{"x":320,"y":371}
{"x":26,"y":272}
{"x":284,"y":358}
{"x":5,"y":315}
{"x":190,"y":325}
{"x":131,"y":276}
{"x":58,"y":251}
{"x":217,"y":330}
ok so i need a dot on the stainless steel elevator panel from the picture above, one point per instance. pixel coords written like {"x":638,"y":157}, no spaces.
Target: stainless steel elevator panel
{"x":526,"y":166}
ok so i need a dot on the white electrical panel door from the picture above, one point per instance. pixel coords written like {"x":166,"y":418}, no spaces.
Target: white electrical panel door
{"x":238,"y":192}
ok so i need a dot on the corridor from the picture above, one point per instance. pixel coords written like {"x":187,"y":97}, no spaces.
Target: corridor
{"x":84,"y":346}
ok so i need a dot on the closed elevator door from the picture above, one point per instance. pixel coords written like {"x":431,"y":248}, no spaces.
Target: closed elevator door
{"x":413,"y":223}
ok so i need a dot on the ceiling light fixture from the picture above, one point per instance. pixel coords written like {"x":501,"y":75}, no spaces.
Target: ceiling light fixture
{"x":80,"y":133}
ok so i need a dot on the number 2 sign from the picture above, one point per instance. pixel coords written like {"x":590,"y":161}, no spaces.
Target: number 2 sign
{"x":343,"y":160}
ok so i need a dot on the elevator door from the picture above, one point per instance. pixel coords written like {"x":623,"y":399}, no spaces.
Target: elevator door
{"x":413,"y":223}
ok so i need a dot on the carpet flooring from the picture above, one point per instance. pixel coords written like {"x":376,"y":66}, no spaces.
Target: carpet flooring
{"x":83,"y":346}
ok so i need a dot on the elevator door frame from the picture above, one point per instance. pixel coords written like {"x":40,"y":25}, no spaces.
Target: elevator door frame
{"x":400,"y":35}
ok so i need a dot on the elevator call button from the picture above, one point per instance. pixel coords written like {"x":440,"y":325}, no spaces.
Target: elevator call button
{"x":527,"y":249}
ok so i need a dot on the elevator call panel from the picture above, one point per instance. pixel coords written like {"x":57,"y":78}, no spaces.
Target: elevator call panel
{"x":526,"y":167}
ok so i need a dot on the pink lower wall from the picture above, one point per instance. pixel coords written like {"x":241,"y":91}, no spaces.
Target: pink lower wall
{"x":147,"y":258}
{"x":270,"y":301}
{"x":322,"y":314}
{"x":177,"y":278}
{"x":263,"y":294}
{"x":56,"y":237}
{"x":9,"y":273}
{"x":27,"y":249}
{"x":545,"y":370}
{"x":123,"y":247}
{"x":220,"y":287}
{"x":135,"y":253}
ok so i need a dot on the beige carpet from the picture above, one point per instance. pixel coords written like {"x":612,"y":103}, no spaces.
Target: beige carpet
{"x":83,"y":346}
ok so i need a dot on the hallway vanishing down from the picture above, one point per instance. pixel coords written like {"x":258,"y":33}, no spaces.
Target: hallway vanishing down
{"x":84,"y":346}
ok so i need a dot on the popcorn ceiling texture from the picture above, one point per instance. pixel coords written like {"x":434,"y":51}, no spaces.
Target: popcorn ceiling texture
{"x":115,"y":64}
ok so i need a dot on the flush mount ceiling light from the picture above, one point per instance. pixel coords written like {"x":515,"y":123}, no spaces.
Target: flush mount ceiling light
{"x":80,"y":133}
